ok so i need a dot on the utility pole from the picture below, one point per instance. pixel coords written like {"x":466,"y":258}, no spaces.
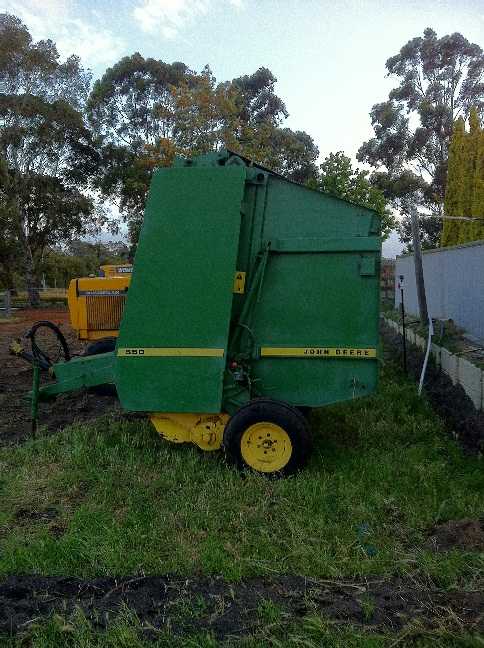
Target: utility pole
{"x":419,"y":275}
{"x":404,"y":334}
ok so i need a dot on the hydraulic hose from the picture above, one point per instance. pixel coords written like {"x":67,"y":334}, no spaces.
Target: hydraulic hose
{"x":427,"y":353}
{"x":38,"y":355}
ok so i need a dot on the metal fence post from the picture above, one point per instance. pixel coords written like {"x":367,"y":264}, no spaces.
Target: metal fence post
{"x":7,"y":301}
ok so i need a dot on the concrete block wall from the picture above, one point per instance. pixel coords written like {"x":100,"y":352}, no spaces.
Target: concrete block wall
{"x":459,"y":370}
{"x":453,"y":283}
{"x":450,"y":364}
{"x":471,"y":379}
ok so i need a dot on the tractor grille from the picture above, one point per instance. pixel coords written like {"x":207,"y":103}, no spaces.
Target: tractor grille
{"x":104,"y":313}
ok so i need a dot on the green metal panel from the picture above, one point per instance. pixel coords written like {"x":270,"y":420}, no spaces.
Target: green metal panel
{"x":320,"y":289}
{"x":350,"y":244}
{"x":180,"y":297}
{"x":316,"y":301}
{"x":80,"y":372}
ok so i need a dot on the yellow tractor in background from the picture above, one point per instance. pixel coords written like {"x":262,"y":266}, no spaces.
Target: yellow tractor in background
{"x":96,"y":306}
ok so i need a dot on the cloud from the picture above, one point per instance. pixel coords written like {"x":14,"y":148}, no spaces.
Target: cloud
{"x":168,"y":17}
{"x":95,"y":46}
{"x":72,"y":34}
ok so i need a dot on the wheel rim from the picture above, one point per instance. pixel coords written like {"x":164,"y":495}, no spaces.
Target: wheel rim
{"x":266,"y":447}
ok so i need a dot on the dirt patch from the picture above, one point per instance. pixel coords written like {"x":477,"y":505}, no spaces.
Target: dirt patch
{"x":464,"y":534}
{"x":16,"y":382}
{"x":236,"y":609}
{"x":29,"y":515}
{"x":449,"y":401}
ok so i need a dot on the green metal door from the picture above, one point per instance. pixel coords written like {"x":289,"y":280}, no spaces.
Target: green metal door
{"x":172,"y":346}
{"x":317,"y":326}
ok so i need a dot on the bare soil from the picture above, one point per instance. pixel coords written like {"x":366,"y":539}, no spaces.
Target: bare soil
{"x":16,"y":382}
{"x":234,"y":609}
{"x":466,"y":534}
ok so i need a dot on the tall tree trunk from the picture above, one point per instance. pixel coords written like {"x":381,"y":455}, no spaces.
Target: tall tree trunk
{"x":419,"y":274}
{"x":32,"y":283}
{"x":31,"y":279}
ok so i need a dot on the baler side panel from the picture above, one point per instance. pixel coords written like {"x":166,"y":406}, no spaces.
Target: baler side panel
{"x":295,"y":211}
{"x":180,"y":298}
{"x":322,"y":293}
{"x":333,"y":306}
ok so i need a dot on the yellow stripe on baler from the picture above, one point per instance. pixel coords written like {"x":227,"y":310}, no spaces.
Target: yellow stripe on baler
{"x":317,"y":352}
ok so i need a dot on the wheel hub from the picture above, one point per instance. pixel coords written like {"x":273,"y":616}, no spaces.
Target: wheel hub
{"x":266,"y":447}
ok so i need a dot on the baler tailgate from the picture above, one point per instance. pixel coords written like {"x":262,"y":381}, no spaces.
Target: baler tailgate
{"x":174,"y":334}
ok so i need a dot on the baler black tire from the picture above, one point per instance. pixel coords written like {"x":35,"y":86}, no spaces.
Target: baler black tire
{"x":305,"y":411}
{"x":104,"y":345}
{"x":268,"y":410}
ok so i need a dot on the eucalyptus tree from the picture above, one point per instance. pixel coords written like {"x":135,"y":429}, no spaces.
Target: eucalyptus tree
{"x":144,"y":111}
{"x":132,"y":112}
{"x":438,"y":81}
{"x":45,"y":147}
{"x":338,"y":178}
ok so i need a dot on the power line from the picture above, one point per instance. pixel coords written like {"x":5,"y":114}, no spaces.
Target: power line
{"x":462,"y":218}
{"x":456,"y":218}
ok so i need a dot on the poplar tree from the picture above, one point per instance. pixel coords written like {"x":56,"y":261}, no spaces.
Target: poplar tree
{"x":464,"y":196}
{"x":477,"y":197}
{"x":455,"y":181}
{"x":466,"y":227}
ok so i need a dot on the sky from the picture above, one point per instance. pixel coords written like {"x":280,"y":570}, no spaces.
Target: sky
{"x":328,"y":55}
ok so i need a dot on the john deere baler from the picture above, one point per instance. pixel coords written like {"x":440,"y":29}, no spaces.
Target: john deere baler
{"x":252,"y":300}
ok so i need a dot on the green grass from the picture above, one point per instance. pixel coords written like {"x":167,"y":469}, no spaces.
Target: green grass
{"x":311,"y":632}
{"x":383,"y":471}
{"x":268,"y":611}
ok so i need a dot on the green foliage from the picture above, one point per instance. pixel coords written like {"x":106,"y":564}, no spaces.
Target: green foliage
{"x":439,"y":80}
{"x":368,"y":607}
{"x":477,"y":206}
{"x":464,"y":194}
{"x":455,"y":182}
{"x":268,"y":611}
{"x":338,"y":178}
{"x":44,"y":146}
{"x":144,"y":112}
{"x":80,"y":259}
{"x":290,"y":153}
{"x":256,"y":100}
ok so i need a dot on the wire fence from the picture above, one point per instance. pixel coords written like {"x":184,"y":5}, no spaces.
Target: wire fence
{"x":11,"y":299}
